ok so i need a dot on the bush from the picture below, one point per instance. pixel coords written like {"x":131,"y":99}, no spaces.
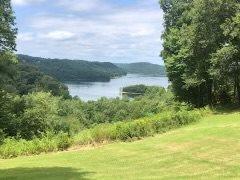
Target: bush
{"x":32,"y":115}
{"x":137,"y":129}
{"x":153,"y":101}
{"x":40,"y":110}
{"x":63,"y":141}
{"x":44,"y":112}
{"x":7,"y":115}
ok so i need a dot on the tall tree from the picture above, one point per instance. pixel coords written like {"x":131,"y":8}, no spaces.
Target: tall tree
{"x":173,"y":53}
{"x":226,"y":61}
{"x":8,"y":28}
{"x":8,"y":32}
{"x":193,"y":33}
{"x":7,"y":47}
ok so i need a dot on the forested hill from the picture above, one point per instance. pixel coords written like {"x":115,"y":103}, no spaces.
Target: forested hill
{"x":74,"y":70}
{"x":143,"y":68}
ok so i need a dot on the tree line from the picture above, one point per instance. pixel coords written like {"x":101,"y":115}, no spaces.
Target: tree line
{"x":143,"y":68}
{"x":66,"y":70}
{"x":202,"y":50}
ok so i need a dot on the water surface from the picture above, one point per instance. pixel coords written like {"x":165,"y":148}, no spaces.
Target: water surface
{"x":95,"y":90}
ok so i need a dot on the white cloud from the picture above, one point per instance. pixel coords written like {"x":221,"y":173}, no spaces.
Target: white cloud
{"x":25,"y":36}
{"x":121,"y":23}
{"x":87,"y":32}
{"x":59,"y":35}
{"x":25,"y":2}
{"x":82,"y":5}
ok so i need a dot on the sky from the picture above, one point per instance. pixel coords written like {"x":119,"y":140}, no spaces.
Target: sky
{"x":122,"y":31}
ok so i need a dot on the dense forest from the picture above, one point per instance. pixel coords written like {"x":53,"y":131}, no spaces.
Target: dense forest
{"x":143,"y":68}
{"x":25,"y":78}
{"x":202,"y":50}
{"x":74,"y":70}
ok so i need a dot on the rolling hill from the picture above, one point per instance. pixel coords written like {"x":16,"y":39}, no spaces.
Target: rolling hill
{"x":66,"y":70}
{"x":143,"y":68}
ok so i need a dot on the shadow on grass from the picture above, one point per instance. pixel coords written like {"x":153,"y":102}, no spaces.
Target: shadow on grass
{"x":226,"y":109}
{"x":58,"y":173}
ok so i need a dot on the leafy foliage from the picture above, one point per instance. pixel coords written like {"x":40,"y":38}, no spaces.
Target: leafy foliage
{"x":136,"y":89}
{"x":143,"y":90}
{"x":30,"y":79}
{"x":200,"y":39}
{"x":8,"y":29}
{"x":8,"y":33}
{"x":34,"y":114}
{"x":138,"y":128}
{"x":7,"y":114}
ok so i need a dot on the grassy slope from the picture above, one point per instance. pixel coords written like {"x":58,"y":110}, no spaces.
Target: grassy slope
{"x":209,"y":149}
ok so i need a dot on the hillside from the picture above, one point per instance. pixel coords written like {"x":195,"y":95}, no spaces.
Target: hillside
{"x":74,"y":70}
{"x":206,"y":150}
{"x":26,"y":78}
{"x":30,"y":79}
{"x":143,"y":68}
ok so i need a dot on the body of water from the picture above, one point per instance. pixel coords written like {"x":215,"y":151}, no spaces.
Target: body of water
{"x":95,"y":90}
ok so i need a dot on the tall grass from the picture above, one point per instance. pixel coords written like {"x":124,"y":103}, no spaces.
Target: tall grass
{"x":48,"y":143}
{"x":137,"y":129}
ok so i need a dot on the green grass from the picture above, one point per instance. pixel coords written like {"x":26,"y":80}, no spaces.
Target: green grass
{"x":209,"y":149}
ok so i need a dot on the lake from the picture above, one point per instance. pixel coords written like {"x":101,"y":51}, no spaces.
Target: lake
{"x":95,"y":90}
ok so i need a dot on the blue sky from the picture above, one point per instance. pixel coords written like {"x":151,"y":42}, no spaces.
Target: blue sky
{"x":95,"y":30}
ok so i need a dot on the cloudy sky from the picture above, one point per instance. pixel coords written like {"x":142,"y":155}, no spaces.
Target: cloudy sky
{"x":95,"y":30}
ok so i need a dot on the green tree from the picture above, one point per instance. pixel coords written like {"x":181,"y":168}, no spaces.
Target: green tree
{"x":8,"y":32}
{"x":226,"y":61}
{"x":8,"y":123}
{"x":40,"y":113}
{"x":7,"y":46}
{"x":193,"y":33}
{"x":8,"y":29}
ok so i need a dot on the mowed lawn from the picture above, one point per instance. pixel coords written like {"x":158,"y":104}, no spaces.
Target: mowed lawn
{"x":209,"y":149}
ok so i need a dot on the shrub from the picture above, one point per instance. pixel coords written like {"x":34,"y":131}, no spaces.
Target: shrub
{"x":137,"y":129}
{"x":63,"y":141}
{"x":7,"y":115}
{"x":40,"y":110}
{"x":44,"y":112}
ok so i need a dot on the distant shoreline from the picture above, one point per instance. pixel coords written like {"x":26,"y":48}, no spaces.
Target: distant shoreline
{"x":107,"y":81}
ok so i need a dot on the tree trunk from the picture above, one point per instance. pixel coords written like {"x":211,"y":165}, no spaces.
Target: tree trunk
{"x":235,"y":87}
{"x":210,"y":87}
{"x":238,"y":89}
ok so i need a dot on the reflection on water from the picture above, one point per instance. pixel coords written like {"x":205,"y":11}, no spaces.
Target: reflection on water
{"x":95,"y":90}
